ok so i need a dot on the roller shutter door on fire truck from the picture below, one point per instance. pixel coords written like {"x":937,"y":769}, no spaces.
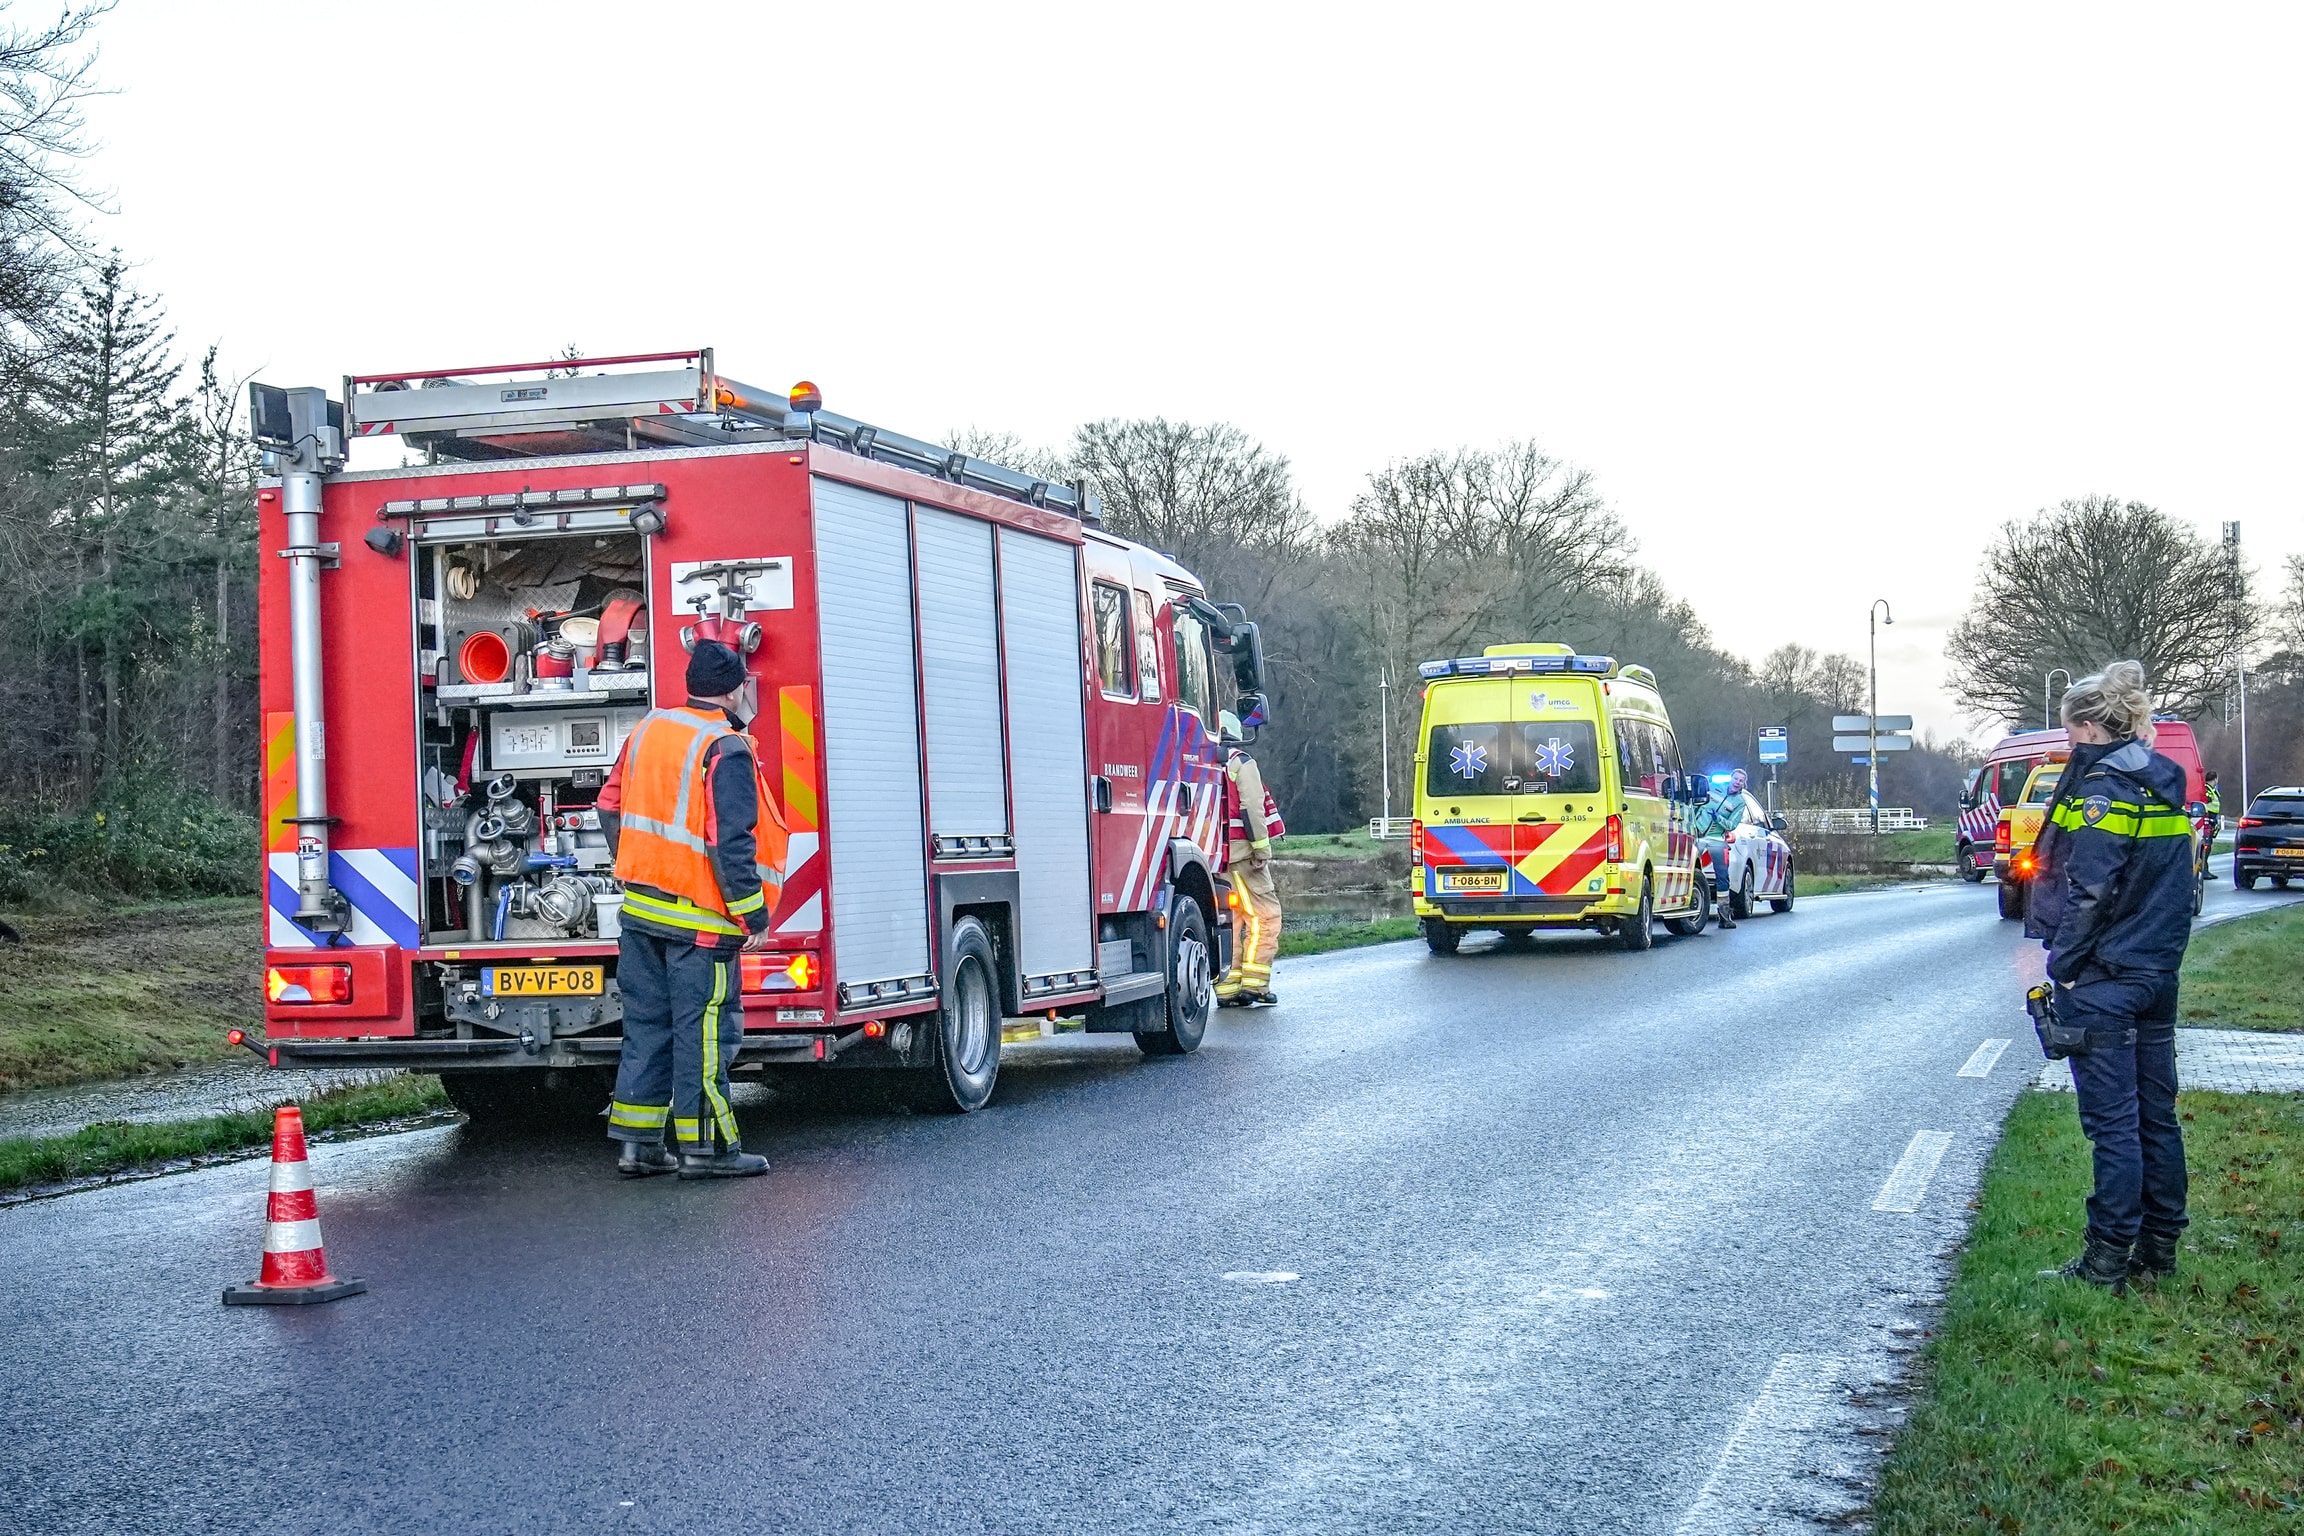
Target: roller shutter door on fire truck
{"x":1047,"y":750}
{"x":960,"y":676}
{"x":871,"y":735}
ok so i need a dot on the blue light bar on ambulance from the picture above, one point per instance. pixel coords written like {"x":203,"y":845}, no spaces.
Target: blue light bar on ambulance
{"x":1483,"y":666}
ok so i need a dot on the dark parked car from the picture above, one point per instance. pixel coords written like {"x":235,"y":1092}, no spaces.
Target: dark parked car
{"x":2271,"y":839}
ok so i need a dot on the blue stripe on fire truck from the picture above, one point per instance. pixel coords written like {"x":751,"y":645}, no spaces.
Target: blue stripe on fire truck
{"x":380,"y":883}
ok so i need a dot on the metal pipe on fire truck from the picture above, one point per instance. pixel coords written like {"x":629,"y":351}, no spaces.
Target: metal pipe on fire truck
{"x":302,"y":434}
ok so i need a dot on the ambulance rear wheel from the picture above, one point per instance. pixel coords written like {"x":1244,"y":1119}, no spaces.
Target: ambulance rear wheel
{"x":1693,"y":924}
{"x":2011,"y":898}
{"x":1638,"y":931}
{"x":967,"y":1025}
{"x":1191,"y":995}
{"x":1442,"y":936}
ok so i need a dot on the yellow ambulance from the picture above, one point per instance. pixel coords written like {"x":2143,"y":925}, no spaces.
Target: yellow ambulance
{"x":1550,"y":794}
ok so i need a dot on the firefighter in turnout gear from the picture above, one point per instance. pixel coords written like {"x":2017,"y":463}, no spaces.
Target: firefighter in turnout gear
{"x":2115,"y":905}
{"x":1251,"y":821}
{"x":700,"y":849}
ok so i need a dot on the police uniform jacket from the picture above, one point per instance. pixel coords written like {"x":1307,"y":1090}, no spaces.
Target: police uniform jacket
{"x":2114,"y":892}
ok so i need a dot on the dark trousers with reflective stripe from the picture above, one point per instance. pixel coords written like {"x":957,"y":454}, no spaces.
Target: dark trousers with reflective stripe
{"x":683,"y":1022}
{"x":2127,"y":1100}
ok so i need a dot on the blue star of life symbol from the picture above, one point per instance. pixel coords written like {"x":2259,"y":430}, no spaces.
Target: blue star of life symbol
{"x":1468,"y":761}
{"x":1555,"y":757}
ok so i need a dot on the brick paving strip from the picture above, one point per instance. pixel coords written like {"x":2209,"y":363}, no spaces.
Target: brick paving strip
{"x":2221,"y":1060}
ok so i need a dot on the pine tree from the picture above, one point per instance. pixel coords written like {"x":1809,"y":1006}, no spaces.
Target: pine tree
{"x":110,"y":434}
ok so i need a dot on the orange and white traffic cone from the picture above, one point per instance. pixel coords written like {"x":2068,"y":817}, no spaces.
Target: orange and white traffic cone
{"x":295,"y":1265}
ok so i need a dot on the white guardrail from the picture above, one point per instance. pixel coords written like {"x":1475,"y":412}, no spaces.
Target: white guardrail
{"x":1892,"y":819}
{"x":1387,"y":828}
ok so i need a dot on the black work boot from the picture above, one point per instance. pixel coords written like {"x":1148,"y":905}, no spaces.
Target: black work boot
{"x":734,"y":1163}
{"x":2099,"y":1263}
{"x":640,"y":1159}
{"x":2154,"y":1258}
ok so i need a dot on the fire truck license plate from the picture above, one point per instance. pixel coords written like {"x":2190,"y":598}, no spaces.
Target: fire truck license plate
{"x":1491,"y":880}
{"x":540,"y":980}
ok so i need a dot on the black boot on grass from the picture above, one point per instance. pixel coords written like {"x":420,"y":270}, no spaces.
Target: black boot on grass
{"x":2100,"y":1263}
{"x":2154,"y":1259}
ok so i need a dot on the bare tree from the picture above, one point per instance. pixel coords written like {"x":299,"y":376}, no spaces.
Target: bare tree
{"x":1201,"y":494}
{"x":1009,"y":451}
{"x":47,"y":74}
{"x":2092,"y":581}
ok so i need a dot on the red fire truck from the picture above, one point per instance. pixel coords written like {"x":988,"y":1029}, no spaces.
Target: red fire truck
{"x":992,"y":724}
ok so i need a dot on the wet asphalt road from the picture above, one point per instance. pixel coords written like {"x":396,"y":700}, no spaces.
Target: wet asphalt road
{"x":1585,"y":1241}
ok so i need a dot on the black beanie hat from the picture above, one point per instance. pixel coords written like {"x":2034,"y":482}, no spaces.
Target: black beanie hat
{"x":713,"y":670}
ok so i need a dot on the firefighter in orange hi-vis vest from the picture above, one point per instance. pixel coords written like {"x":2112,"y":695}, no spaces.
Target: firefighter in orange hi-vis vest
{"x":1251,"y":821}
{"x":700,"y":850}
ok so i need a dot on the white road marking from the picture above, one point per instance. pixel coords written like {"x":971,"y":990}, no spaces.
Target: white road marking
{"x":1261,"y":1276}
{"x":1987,"y":1054}
{"x":1761,"y":1457}
{"x":1908,"y":1181}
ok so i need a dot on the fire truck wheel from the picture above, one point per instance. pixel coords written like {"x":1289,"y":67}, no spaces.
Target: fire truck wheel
{"x":1970,"y":870}
{"x":968,"y":1025}
{"x":1639,"y":930}
{"x":530,"y":1096}
{"x":1191,"y":994}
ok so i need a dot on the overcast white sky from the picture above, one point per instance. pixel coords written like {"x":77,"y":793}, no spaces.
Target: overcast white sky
{"x":1822,"y":294}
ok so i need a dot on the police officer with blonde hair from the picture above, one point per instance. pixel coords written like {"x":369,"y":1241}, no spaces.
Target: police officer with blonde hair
{"x":700,"y":850}
{"x":2115,"y":890}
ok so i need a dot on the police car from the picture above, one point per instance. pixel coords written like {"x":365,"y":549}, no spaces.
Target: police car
{"x":1741,"y":846}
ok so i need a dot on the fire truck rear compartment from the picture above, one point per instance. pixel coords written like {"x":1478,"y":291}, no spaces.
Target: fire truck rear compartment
{"x":532,"y":654}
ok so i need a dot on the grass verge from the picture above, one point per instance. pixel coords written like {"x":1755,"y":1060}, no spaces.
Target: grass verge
{"x":2053,"y":1407}
{"x":2242,"y":974}
{"x":1320,"y":940}
{"x":116,"y":1146}
{"x":113,"y":991}
{"x":1356,"y":844}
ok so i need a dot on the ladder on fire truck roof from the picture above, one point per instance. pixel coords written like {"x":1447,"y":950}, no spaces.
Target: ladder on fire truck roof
{"x":613,"y":404}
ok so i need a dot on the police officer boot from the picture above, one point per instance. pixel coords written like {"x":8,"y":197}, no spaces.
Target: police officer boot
{"x":733,"y":1163}
{"x":2099,"y":1263}
{"x":2154,"y":1258}
{"x":641,"y":1159}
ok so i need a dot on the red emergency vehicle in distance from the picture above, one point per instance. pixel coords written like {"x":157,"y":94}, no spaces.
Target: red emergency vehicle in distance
{"x":990,"y":722}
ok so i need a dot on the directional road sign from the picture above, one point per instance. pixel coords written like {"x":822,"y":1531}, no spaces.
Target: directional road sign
{"x":1864,"y":722}
{"x":1775,"y":744}
{"x":1864,"y":743}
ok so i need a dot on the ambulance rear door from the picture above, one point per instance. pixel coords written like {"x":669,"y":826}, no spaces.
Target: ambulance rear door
{"x":1471,"y":752}
{"x":1559,"y":816}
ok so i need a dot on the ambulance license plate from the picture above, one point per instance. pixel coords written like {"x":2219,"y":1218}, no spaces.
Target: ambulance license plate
{"x":1490,"y":880}
{"x":541,"y":981}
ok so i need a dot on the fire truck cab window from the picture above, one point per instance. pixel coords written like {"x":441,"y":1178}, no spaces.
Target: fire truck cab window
{"x":1115,"y":657}
{"x":1147,"y":651}
{"x":1192,"y":669}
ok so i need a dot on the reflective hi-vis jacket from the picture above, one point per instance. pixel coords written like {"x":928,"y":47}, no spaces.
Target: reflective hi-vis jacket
{"x":700,"y":847}
{"x":2116,"y":866}
{"x":1251,"y":816}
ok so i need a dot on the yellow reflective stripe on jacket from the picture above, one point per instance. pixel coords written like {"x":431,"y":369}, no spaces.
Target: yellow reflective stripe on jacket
{"x":751,"y":903}
{"x":639,"y":1117}
{"x":2123,"y":819}
{"x":676,"y":913}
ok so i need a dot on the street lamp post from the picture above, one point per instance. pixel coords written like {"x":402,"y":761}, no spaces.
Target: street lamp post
{"x":2047,"y":690}
{"x":1384,"y":713}
{"x":1875,"y":616}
